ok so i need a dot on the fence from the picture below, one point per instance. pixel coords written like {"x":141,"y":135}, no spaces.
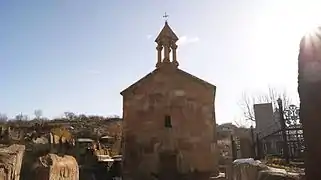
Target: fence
{"x":287,"y":141}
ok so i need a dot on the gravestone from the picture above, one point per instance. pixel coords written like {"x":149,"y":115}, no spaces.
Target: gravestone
{"x":54,"y":167}
{"x":10,"y":161}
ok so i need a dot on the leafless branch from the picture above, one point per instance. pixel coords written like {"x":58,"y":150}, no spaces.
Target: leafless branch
{"x":246,"y":105}
{"x":3,"y":117}
{"x":242,"y":123}
{"x":247,"y":102}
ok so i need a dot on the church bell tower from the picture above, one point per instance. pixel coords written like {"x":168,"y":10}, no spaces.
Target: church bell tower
{"x":166,"y":43}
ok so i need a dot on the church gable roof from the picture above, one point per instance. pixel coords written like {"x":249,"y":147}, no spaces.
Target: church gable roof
{"x":140,"y":81}
{"x":149,"y":75}
{"x":201,"y":81}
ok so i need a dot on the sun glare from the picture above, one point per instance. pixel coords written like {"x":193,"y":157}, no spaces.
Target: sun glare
{"x":312,"y":32}
{"x":309,"y":17}
{"x":306,"y":18}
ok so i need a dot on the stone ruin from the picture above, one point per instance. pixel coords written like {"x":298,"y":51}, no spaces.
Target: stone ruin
{"x":10,"y":161}
{"x":248,"y":169}
{"x":54,"y":167}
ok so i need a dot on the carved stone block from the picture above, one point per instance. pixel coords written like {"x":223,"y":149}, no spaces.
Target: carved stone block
{"x":10,"y":161}
{"x":54,"y":167}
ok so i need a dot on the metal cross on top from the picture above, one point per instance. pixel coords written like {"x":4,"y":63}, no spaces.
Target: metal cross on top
{"x":165,"y":16}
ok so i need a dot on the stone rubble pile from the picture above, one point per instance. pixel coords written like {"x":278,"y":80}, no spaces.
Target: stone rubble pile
{"x":249,"y":169}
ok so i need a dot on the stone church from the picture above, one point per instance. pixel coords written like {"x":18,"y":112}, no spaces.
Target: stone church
{"x":169,"y":119}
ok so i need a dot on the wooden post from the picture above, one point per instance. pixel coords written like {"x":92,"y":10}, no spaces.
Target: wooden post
{"x":258,"y":146}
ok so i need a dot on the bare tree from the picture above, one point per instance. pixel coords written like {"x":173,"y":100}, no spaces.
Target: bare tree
{"x":38,"y":113}
{"x":21,"y":117}
{"x":242,"y":123}
{"x":3,"y":117}
{"x":70,"y":115}
{"x":247,"y":102}
{"x":82,"y":117}
{"x":25,"y":117}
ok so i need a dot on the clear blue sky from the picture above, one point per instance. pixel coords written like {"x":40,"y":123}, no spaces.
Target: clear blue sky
{"x":78,"y":55}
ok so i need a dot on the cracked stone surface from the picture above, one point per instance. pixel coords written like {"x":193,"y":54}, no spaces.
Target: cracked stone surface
{"x":54,"y":167}
{"x":10,"y":161}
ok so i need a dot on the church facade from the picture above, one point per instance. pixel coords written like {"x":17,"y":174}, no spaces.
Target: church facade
{"x":169,"y":119}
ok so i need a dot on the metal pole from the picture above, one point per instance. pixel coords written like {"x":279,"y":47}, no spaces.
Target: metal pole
{"x":233,"y":147}
{"x":284,"y":136}
{"x":253,"y":141}
{"x":258,"y":146}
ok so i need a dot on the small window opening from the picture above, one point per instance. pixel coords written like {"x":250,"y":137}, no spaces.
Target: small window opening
{"x":168,"y":121}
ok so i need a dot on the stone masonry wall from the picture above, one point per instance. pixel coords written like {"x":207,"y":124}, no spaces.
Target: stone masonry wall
{"x":193,"y":132}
